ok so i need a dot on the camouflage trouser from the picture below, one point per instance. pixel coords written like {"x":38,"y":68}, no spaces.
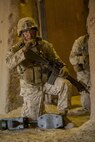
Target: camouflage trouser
{"x":83,"y":76}
{"x":33,"y":97}
{"x":33,"y":101}
{"x":85,"y":100}
{"x":63,"y":89}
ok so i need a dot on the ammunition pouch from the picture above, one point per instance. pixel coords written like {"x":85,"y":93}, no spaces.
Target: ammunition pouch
{"x":34,"y":75}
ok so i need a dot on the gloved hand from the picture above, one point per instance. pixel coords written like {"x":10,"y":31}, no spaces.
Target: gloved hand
{"x":29,"y":44}
{"x":82,"y":59}
{"x":78,"y":67}
{"x":64,"y":71}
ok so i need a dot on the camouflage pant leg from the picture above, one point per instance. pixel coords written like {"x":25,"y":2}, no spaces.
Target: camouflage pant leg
{"x":64,"y":96}
{"x":33,"y":105}
{"x":84,"y":77}
{"x":63,"y":89}
{"x":85,"y":100}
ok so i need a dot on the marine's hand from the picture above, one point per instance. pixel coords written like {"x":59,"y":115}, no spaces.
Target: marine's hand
{"x":25,"y":49}
{"x":64,"y":72}
{"x":28,"y":45}
{"x":78,"y":67}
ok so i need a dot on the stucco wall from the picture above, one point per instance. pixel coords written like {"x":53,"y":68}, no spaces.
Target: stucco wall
{"x":4,"y":27}
{"x":8,"y":17}
{"x":91,"y":31}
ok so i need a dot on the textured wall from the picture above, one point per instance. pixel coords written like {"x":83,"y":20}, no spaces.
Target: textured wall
{"x":8,"y":18}
{"x":3,"y":46}
{"x":91,"y":31}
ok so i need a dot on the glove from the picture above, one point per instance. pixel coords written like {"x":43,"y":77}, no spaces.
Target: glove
{"x":78,"y":67}
{"x":82,"y":59}
{"x":64,"y":72}
{"x":29,"y":44}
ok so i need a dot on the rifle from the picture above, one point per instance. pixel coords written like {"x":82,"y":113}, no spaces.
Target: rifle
{"x":55,"y":69}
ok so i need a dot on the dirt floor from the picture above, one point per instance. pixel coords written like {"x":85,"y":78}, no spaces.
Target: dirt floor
{"x":77,"y":134}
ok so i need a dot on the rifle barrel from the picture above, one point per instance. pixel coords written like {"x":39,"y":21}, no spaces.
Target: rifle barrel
{"x":77,"y":84}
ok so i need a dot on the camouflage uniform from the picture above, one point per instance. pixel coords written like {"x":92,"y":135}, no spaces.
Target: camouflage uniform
{"x":79,"y":58}
{"x":33,"y":78}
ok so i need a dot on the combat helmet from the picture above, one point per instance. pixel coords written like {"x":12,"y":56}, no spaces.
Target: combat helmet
{"x":25,"y":24}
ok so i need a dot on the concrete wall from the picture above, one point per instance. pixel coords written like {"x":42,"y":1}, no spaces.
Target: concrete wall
{"x":3,"y":47}
{"x":7,"y":20}
{"x":91,"y":31}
